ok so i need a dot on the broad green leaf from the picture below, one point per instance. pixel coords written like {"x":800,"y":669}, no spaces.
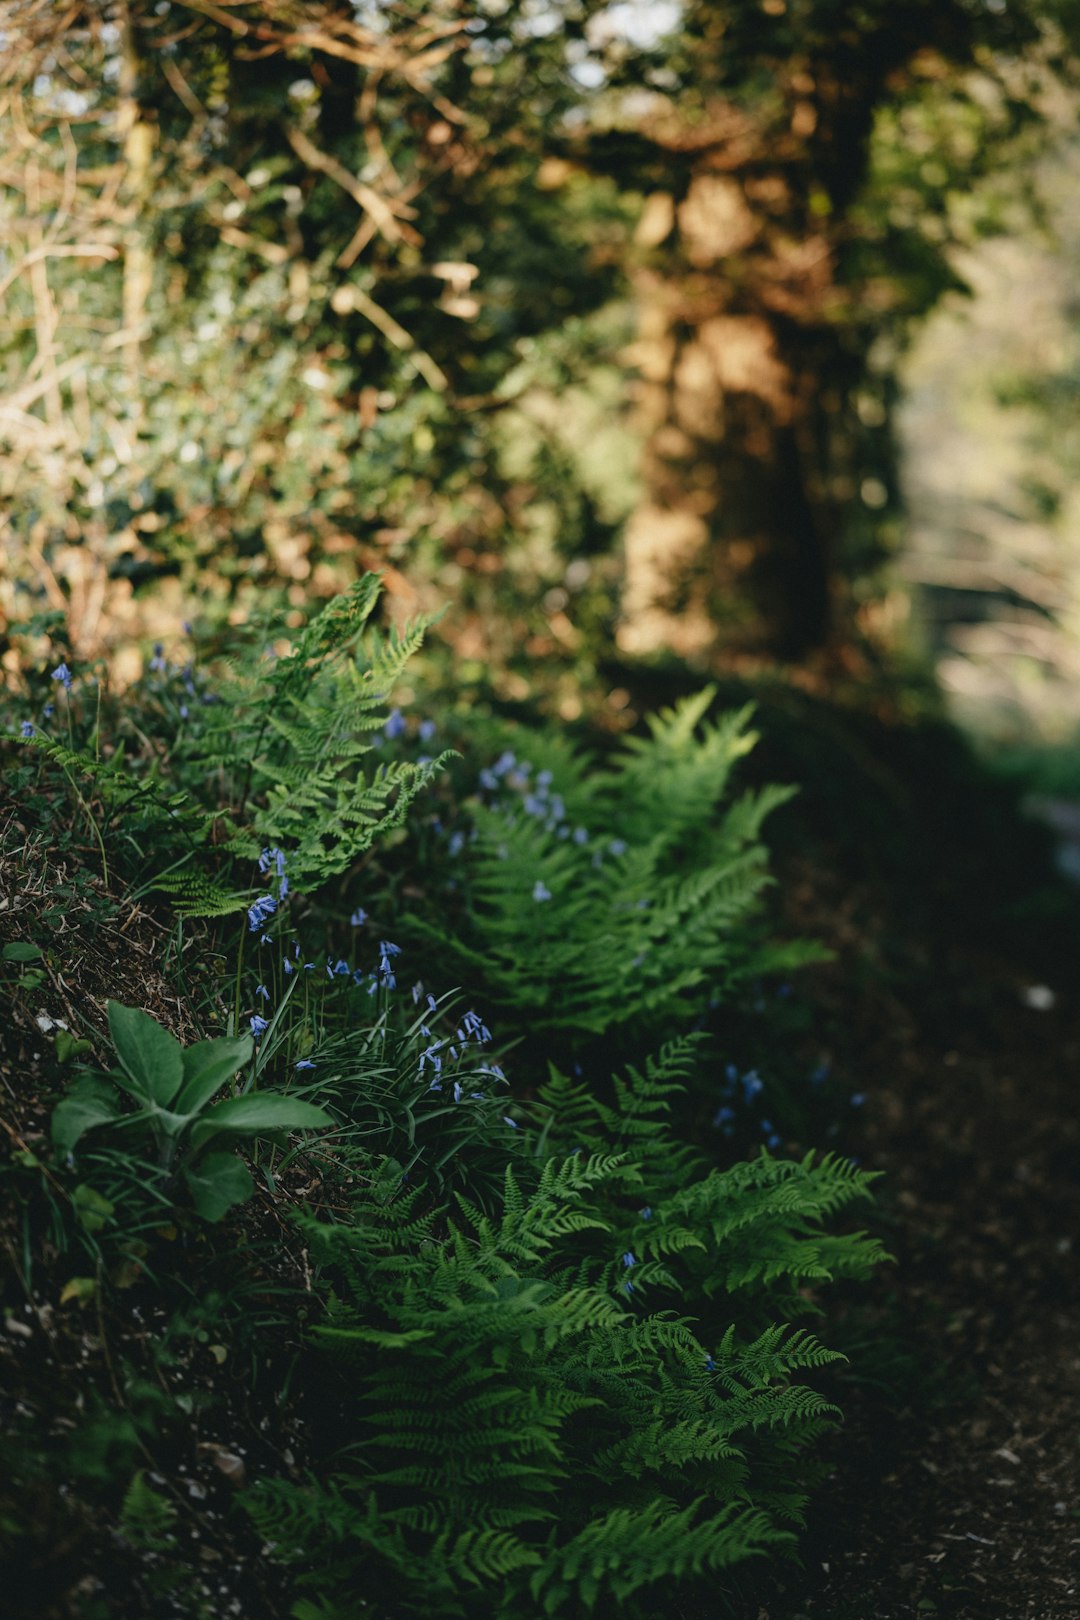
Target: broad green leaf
{"x":151,"y":1057}
{"x":21,"y":950}
{"x":92,"y":1103}
{"x":218,"y":1183}
{"x":208,"y":1065}
{"x":258,"y":1114}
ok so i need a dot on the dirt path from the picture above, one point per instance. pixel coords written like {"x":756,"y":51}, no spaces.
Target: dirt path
{"x":956,"y":1488}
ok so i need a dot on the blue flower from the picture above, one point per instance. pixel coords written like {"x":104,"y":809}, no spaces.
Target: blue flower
{"x":258,"y":1025}
{"x":752,"y":1084}
{"x":581,"y":835}
{"x":505,"y":762}
{"x":646,"y":1213}
{"x":710,"y":1364}
{"x":858,"y":1098}
{"x":427,"y":730}
{"x":358,"y":918}
{"x":513,"y":1124}
{"x":27,"y":728}
{"x":304,"y":1063}
{"x":541,"y":891}
{"x":48,"y":711}
{"x":617,"y":846}
{"x":544,"y":779}
{"x":157,"y":663}
{"x":456,"y":844}
{"x":62,"y":674}
{"x":395,"y":725}
{"x":258,"y":913}
{"x":287,"y":965}
{"x":475,"y":1026}
{"x":629,"y":1259}
{"x":261,"y":990}
{"x":489,"y":780}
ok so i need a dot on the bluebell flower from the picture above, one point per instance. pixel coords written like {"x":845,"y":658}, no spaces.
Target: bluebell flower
{"x":157,"y":663}
{"x":752,"y":1084}
{"x":724,"y":1116}
{"x":48,"y":711}
{"x":62,"y":674}
{"x":513,"y":1124}
{"x":475,"y":1026}
{"x":629,"y":1259}
{"x":258,"y":913}
{"x":184,"y":711}
{"x":557,"y":808}
{"x":457,"y":1090}
{"x":427,"y":730}
{"x":27,"y":728}
{"x":489,"y":780}
{"x":304,"y":1063}
{"x":628,"y":1287}
{"x":261,"y":990}
{"x":456,"y":844}
{"x":710,"y":1364}
{"x":395,"y":725}
{"x":284,"y":889}
{"x":266,"y":940}
{"x":617,"y":846}
{"x":505,"y":762}
{"x":541,"y":891}
{"x":431,"y":1055}
{"x":358,"y":918}
{"x":341,"y":968}
{"x":258,"y":1025}
{"x":533,"y":806}
{"x":646,"y":1213}
{"x":287,"y":965}
{"x":581,"y":835}
{"x":544,"y":779}
{"x":773,"y":1141}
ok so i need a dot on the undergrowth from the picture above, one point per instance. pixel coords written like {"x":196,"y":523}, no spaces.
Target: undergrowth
{"x":517,"y":1325}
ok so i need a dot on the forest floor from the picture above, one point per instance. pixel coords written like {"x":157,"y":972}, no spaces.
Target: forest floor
{"x":955,"y":1485}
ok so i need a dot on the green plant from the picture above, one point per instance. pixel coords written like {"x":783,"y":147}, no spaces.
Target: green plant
{"x":555,"y":1405}
{"x":270,"y":748}
{"x":590,"y":898}
{"x":174,"y":1089}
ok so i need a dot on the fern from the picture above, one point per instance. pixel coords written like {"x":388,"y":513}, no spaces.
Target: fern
{"x":553,"y":1399}
{"x":623,"y":896}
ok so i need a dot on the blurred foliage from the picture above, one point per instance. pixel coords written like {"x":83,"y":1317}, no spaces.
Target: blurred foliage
{"x":301,"y":289}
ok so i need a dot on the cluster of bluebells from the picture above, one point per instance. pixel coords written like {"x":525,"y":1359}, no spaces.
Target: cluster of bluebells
{"x":397,"y":727}
{"x":180,"y":683}
{"x":64,"y":680}
{"x":740,"y":1092}
{"x":450,"y":1063}
{"x":512,"y":785}
{"x":444,"y":1058}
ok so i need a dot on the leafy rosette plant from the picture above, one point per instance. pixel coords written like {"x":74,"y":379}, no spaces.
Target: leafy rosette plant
{"x":174,"y":1088}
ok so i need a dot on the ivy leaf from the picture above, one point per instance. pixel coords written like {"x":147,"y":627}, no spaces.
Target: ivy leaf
{"x":149,"y":1055}
{"x":217,"y":1184}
